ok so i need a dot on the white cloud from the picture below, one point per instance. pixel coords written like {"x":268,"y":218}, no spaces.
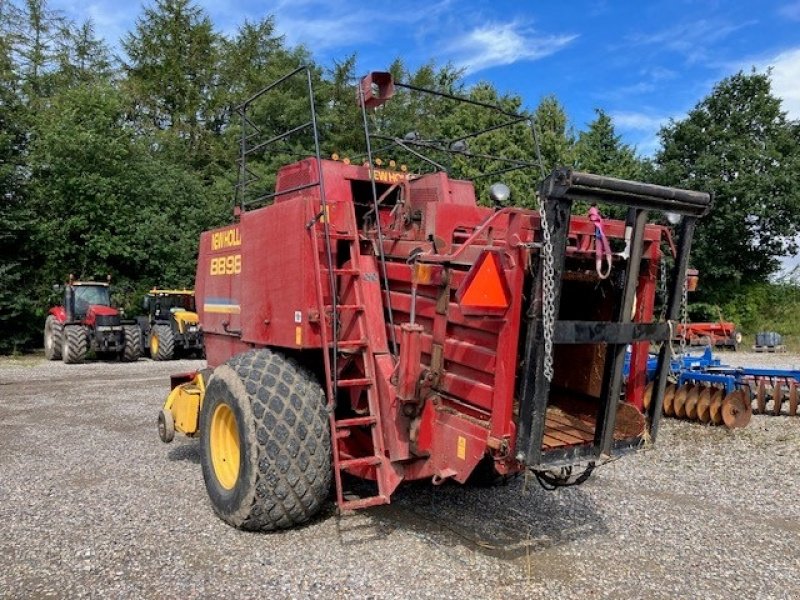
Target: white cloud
{"x":642,"y":128}
{"x":790,"y":11}
{"x":637,"y":121}
{"x":496,"y":44}
{"x":324,"y":25}
{"x":786,"y":80}
{"x":692,"y":39}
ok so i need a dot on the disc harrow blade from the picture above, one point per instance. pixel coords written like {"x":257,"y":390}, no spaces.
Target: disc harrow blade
{"x":679,"y":402}
{"x":777,"y":398}
{"x":704,"y":404}
{"x":648,"y":394}
{"x":669,"y":396}
{"x":692,"y":398}
{"x":716,"y":407}
{"x":761,"y":396}
{"x":736,"y":409}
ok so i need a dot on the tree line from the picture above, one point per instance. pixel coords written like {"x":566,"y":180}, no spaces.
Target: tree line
{"x":115,"y":164}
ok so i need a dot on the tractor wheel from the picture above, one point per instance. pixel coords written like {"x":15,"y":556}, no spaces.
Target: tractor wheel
{"x":75,"y":344}
{"x":53,"y":334}
{"x":162,"y":342}
{"x":133,"y":343}
{"x":265,"y":442}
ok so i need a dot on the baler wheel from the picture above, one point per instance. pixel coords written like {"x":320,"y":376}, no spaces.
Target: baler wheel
{"x":265,"y":442}
{"x":704,"y":404}
{"x":75,"y":344}
{"x":777,"y":398}
{"x":162,"y":342}
{"x":166,"y":426}
{"x":53,"y":334}
{"x":133,"y":343}
{"x":736,"y":410}
{"x":793,"y":398}
{"x":761,"y":397}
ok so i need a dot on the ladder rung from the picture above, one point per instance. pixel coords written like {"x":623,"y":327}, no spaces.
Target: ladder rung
{"x":364,"y":502}
{"x":356,"y":422}
{"x":352,"y":272}
{"x":335,"y":235}
{"x":364,"y":461}
{"x":363,"y":381}
{"x":353,"y":307}
{"x":351,"y":343}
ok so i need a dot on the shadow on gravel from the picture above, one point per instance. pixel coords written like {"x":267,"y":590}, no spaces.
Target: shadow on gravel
{"x":512,"y":522}
{"x":188,"y":451}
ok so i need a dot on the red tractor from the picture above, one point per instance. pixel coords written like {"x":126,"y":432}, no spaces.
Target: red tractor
{"x":87,"y":322}
{"x":374,"y":324}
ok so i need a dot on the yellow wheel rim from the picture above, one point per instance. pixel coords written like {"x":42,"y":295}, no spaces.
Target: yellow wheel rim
{"x":225,"y":454}
{"x":153,"y":345}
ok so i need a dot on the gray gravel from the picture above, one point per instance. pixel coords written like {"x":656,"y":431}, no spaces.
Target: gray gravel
{"x":93,"y":504}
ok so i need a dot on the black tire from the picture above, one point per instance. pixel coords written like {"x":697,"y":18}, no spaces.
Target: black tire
{"x":53,"y":338}
{"x":284,"y":472}
{"x":162,"y":342}
{"x":75,"y":344}
{"x":133,"y":343}
{"x":144,"y":325}
{"x":166,"y":426}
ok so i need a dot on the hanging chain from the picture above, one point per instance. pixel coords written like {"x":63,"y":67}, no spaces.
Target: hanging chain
{"x":548,"y":294}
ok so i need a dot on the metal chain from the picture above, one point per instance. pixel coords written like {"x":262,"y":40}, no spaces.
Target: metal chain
{"x":548,"y":294}
{"x":662,"y":286}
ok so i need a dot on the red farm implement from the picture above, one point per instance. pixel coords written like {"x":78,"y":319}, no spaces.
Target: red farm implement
{"x":372,"y":323}
{"x":721,"y":334}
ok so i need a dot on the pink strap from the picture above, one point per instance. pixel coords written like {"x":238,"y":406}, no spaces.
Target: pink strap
{"x":602,"y":249}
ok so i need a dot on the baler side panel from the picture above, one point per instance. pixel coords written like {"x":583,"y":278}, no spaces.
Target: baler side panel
{"x":219,"y":267}
{"x":278,"y":300}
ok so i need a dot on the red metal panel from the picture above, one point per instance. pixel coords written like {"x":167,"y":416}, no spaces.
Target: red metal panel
{"x":645,"y":296}
{"x":217,"y":288}
{"x":278,"y":276}
{"x":455,"y":444}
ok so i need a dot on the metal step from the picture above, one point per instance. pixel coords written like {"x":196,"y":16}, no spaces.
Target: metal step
{"x":363,"y":461}
{"x":352,"y":343}
{"x":356,"y":422}
{"x":358,"y":382}
{"x":364,"y":502}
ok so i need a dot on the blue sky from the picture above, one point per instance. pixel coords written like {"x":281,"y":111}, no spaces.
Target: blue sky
{"x":643,"y":62}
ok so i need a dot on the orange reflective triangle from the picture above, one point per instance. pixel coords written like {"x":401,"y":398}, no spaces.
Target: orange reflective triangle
{"x":486,"y":290}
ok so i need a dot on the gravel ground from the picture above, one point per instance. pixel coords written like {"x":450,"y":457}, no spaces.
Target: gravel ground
{"x":93,"y":504}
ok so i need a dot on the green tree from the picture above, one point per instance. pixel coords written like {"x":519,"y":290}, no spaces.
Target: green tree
{"x":172,"y":69}
{"x":738,"y":144}
{"x":600,"y":150}
{"x":556,"y":139}
{"x":251,"y":60}
{"x":16,"y":218}
{"x":81,"y":56}
{"x":108,"y":201}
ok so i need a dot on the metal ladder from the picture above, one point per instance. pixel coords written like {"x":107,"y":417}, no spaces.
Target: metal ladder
{"x":350,"y":345}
